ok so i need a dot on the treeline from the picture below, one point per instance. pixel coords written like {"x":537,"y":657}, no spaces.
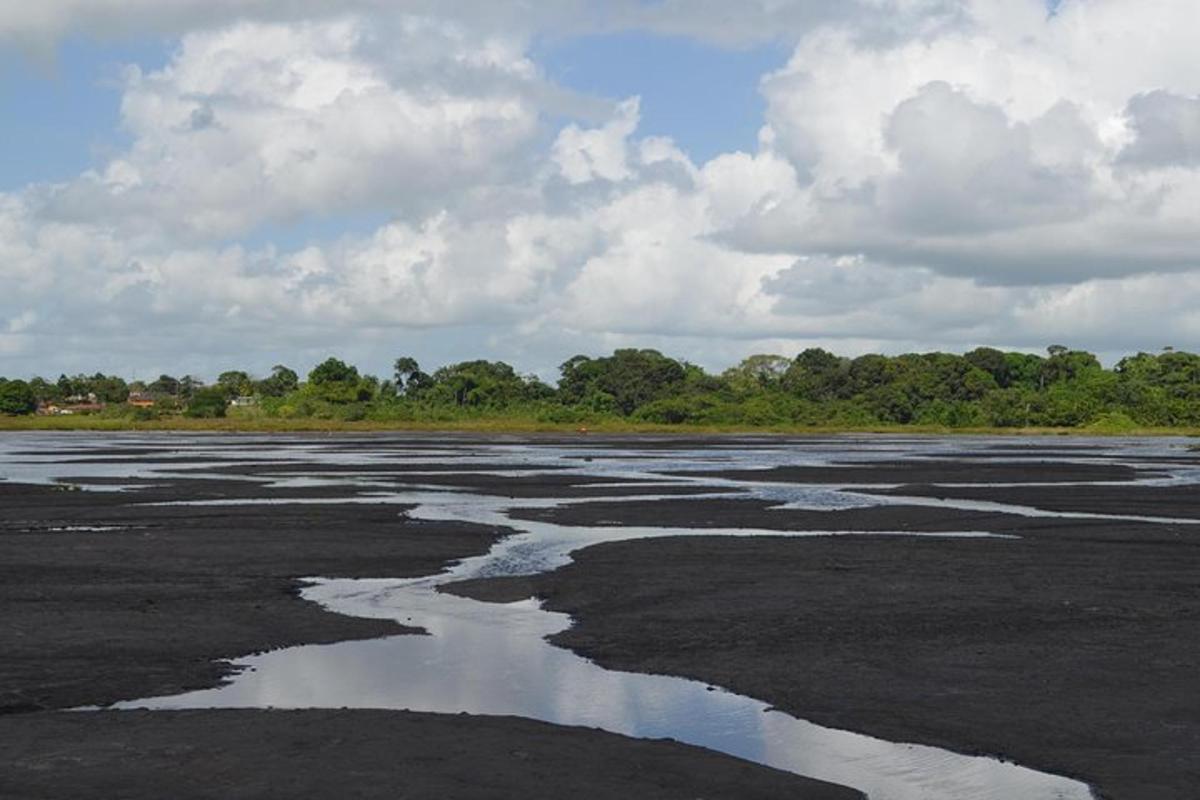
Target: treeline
{"x":982,"y":388}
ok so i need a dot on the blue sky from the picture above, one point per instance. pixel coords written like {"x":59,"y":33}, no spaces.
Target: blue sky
{"x":63,"y":116}
{"x":703,"y":96}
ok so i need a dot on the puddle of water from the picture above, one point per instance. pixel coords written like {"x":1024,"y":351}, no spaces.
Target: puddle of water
{"x":89,"y":528}
{"x":492,"y":659}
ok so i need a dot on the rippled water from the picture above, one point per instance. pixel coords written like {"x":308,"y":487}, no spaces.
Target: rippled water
{"x":484,"y":658}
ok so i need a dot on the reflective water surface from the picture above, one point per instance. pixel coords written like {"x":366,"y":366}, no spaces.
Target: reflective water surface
{"x":484,"y":658}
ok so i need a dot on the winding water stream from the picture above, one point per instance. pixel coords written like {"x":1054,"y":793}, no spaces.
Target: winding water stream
{"x":486,"y":658}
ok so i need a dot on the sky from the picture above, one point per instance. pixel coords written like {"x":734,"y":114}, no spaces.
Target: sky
{"x":190,"y":186}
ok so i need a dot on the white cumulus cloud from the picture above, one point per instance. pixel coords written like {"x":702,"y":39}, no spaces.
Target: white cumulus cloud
{"x":928,"y":174}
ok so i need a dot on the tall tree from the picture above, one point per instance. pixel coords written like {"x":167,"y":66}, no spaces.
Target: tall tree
{"x":235,"y":383}
{"x":165,"y":384}
{"x":338,"y":382}
{"x":281,"y":381}
{"x":16,"y":398}
{"x":404,"y":368}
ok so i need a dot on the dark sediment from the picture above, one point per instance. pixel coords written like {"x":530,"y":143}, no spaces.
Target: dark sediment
{"x":362,"y":754}
{"x":156,"y":597}
{"x":1147,"y":501}
{"x":256,"y":484}
{"x":1070,"y":656}
{"x":507,"y":589}
{"x":931,"y":471}
{"x":1070,"y":649}
{"x":725,"y":513}
{"x":153,"y":604}
{"x":559,"y":486}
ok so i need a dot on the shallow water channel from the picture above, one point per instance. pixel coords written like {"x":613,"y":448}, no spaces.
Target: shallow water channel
{"x":487,"y":658}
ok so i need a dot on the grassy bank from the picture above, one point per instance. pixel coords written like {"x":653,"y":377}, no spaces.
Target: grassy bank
{"x":257,"y":423}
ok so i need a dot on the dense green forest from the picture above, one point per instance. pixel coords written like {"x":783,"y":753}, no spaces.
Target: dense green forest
{"x":982,"y":388}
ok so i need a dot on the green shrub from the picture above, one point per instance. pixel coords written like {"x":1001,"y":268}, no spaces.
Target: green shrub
{"x":1113,"y":422}
{"x":206,"y":404}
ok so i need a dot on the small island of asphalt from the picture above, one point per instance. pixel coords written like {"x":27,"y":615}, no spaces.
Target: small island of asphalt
{"x":374,"y":755}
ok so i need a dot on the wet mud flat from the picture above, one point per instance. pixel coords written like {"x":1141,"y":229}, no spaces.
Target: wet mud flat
{"x":1069,"y":647}
{"x":109,"y":596}
{"x":105,"y":599}
{"x":701,"y":513}
{"x":1151,"y":501}
{"x":931,"y":470}
{"x":139,"y":755}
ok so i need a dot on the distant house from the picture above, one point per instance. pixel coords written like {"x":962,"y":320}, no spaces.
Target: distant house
{"x":243,"y":401}
{"x":67,"y":409}
{"x":140,"y":400}
{"x":81,"y":399}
